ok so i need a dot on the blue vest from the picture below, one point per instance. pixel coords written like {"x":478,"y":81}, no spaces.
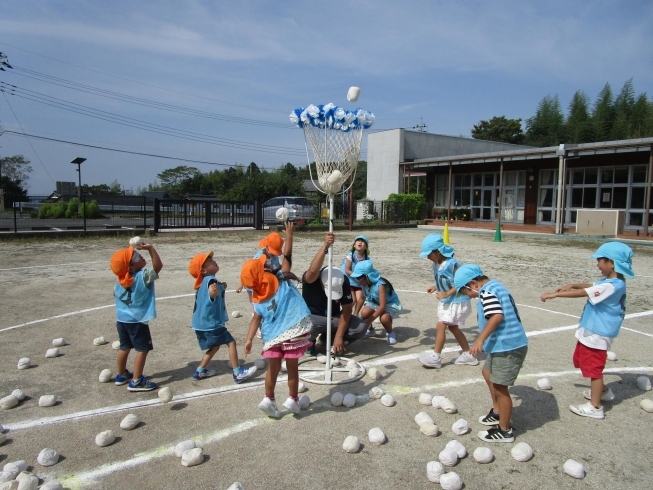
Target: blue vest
{"x":510,"y":334}
{"x":135,"y":304}
{"x":605,"y":318}
{"x":391,"y":299}
{"x":209,"y":314}
{"x":272,"y":264}
{"x":444,"y":280}
{"x":343,"y":267}
{"x":282,"y":311}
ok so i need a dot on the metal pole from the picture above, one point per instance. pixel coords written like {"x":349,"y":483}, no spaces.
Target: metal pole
{"x":648,"y":191}
{"x":327,"y":369}
{"x":351,"y":204}
{"x":79,"y":191}
{"x":561,"y":173}
{"x":449,"y":196}
{"x":84,"y":211}
{"x":500,"y":189}
{"x":144,"y":213}
{"x":13,"y":205}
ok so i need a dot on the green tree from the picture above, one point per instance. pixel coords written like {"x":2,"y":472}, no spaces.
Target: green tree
{"x":603,"y":115}
{"x":172,"y":178}
{"x":578,"y":127}
{"x":499,"y":129}
{"x":15,"y":168}
{"x":623,"y":109}
{"x":641,"y":119}
{"x":546,"y":127}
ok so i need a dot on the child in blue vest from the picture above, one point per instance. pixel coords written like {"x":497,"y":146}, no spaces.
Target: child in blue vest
{"x":600,"y":322}
{"x":285,"y":323}
{"x":135,"y":307}
{"x":381,"y":300}
{"x":502,"y":338}
{"x":454,"y":307}
{"x":358,"y":253}
{"x":209,"y":318}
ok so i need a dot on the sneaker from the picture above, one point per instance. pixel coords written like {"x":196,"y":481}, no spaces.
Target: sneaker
{"x":311,"y":351}
{"x":391,"y":338}
{"x":466,"y":358}
{"x":269,"y":407}
{"x":204,"y":373}
{"x":588,"y":410}
{"x":492,"y":418}
{"x":141,"y":384}
{"x":291,"y":405}
{"x":121,"y":379}
{"x":497,"y":435}
{"x":370,"y":332}
{"x":606,"y":396}
{"x":258,"y":334}
{"x":430,"y":360}
{"x":243,"y":374}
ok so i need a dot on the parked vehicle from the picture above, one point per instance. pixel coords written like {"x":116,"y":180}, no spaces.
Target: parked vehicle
{"x":298,"y":207}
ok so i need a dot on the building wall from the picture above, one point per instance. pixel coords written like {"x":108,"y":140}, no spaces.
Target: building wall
{"x":384,"y":152}
{"x":426,"y":145}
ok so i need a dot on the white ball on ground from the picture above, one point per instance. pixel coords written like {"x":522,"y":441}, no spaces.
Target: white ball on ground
{"x":60,"y":342}
{"x":260,"y":363}
{"x":448,"y":457}
{"x":423,"y":418}
{"x":429,"y":429}
{"x":24,"y":363}
{"x":574,"y":468}
{"x":451,"y":481}
{"x":376,"y":436}
{"x":376,"y":393}
{"x":135,"y":242}
{"x":460,"y":427}
{"x":20,"y":394}
{"x":27,"y":481}
{"x":54,"y":352}
{"x":644,"y":383}
{"x":51,"y":485}
{"x":349,"y":400}
{"x":388,"y":400}
{"x":353,"y":94}
{"x":351,"y":444}
{"x":336,"y":361}
{"x":646,"y":405}
{"x":105,"y":376}
{"x":483,"y":455}
{"x":374,"y":373}
{"x":165,"y":394}
{"x":304,"y":402}
{"x":544,"y":384}
{"x":522,"y":452}
{"x":184,"y":446}
{"x":301,"y":387}
{"x":354,"y":373}
{"x":99,"y":341}
{"x":129,"y":422}
{"x":461,"y":451}
{"x":9,"y":401}
{"x":448,"y":406}
{"x":425,"y":398}
{"x":192,"y":457}
{"x":48,"y":457}
{"x":115,"y":345}
{"x":236,"y":314}
{"x":351,"y":364}
{"x":16,"y":466}
{"x":436,"y":401}
{"x":434,"y":470}
{"x":612,"y":356}
{"x":321,"y":358}
{"x":281,"y":214}
{"x":47,"y":401}
{"x":236,"y":486}
{"x":336,"y":399}
{"x":105,"y":438}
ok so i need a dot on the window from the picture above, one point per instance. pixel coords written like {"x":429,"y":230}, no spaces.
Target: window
{"x":589,"y":197}
{"x":621,"y":175}
{"x":488,"y":180}
{"x":635,"y":219}
{"x":577,"y":197}
{"x":619,"y":196}
{"x":546,"y":177}
{"x":478,"y":180}
{"x":605,"y":197}
{"x":639,"y":174}
{"x":637,"y":197}
{"x":591,"y":174}
{"x":607,"y":174}
{"x":577,"y":176}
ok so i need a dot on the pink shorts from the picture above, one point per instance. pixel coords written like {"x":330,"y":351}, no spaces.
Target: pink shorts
{"x":292,"y":349}
{"x":590,"y":361}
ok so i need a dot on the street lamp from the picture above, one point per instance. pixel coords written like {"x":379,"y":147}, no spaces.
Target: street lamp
{"x":78,"y":161}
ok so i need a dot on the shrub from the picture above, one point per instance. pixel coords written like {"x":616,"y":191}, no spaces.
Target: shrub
{"x":89,"y":210}
{"x":71,"y":212}
{"x":404,"y":207}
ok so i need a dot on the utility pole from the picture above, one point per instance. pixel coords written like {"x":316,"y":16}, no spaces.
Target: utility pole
{"x":421,"y":127}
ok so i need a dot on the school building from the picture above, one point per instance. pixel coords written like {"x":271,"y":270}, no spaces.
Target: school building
{"x":518,"y":184}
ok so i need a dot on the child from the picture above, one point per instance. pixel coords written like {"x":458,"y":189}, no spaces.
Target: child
{"x":381,"y":300}
{"x":503,"y":338}
{"x":453,"y":309}
{"x":359,"y":252}
{"x":135,"y":306}
{"x":210,"y":316}
{"x":600,"y":322}
{"x":285,"y":323}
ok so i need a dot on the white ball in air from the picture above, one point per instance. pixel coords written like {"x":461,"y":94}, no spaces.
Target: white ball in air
{"x":353,"y":93}
{"x":282,"y":214}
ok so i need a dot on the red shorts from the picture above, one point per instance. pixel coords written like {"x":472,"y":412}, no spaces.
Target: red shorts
{"x":590,"y":361}
{"x":292,"y":349}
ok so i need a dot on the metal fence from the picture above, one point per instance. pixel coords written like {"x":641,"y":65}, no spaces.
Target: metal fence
{"x":206,"y":214}
{"x":370,"y":212}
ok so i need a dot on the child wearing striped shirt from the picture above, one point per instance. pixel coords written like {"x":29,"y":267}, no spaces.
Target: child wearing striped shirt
{"x":502,"y":338}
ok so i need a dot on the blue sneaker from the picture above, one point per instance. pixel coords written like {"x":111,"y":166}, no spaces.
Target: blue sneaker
{"x":121,"y":379}
{"x":141,"y":384}
{"x":311,"y":351}
{"x":203,"y":373}
{"x":243,"y":374}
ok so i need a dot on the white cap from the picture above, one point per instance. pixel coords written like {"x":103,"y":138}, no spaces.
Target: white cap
{"x":337,"y":278}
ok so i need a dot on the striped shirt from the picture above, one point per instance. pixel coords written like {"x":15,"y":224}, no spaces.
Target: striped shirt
{"x":491,"y":304}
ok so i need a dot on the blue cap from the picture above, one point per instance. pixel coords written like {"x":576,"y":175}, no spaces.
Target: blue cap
{"x":366,"y":268}
{"x":435,"y":242}
{"x":364,"y":238}
{"x":620,"y":254}
{"x":464,"y":274}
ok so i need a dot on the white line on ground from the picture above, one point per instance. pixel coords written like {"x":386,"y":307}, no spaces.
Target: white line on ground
{"x":550,"y":311}
{"x":636,"y":331}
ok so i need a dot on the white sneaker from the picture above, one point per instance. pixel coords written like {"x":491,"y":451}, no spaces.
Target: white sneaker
{"x":269,"y":408}
{"x":370,"y":332}
{"x":606,"y":396}
{"x":291,"y":405}
{"x":429,"y":359}
{"x":466,"y":358}
{"x":391,"y":338}
{"x":588,"y":410}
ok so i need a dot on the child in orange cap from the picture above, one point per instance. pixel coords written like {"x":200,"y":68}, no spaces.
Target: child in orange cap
{"x":285,"y":322}
{"x":210,"y":316}
{"x":135,"y":306}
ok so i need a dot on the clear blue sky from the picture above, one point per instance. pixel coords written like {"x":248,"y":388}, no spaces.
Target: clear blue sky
{"x":450,"y":63}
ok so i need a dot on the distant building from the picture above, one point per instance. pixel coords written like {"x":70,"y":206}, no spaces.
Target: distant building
{"x":66,"y":189}
{"x":310,"y":188}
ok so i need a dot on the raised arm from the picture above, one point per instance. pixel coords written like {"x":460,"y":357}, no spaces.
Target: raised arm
{"x":157,"y":265}
{"x":286,"y":265}
{"x":313,"y":272}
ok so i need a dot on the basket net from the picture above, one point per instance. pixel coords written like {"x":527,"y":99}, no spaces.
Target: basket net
{"x":336,"y":155}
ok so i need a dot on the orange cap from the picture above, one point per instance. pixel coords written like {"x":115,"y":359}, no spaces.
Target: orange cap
{"x":195,"y":268}
{"x":274,"y":242}
{"x":120,"y":266}
{"x":253,"y":276}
